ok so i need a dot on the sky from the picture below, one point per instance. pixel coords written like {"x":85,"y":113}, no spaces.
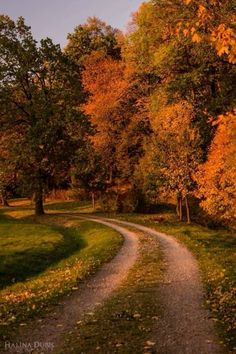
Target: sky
{"x":56,"y":18}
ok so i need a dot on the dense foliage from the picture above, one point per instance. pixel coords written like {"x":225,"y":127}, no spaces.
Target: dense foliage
{"x":137,"y":119}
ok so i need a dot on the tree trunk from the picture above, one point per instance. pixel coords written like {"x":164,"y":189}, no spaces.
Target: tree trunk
{"x":177,"y":206}
{"x":4,"y":200}
{"x":187,"y":210}
{"x":181,"y":208}
{"x":110,"y":176}
{"x":93,"y":200}
{"x":38,"y":198}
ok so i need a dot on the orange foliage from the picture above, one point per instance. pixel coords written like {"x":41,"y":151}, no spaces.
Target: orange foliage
{"x":103,"y":79}
{"x":178,"y":142}
{"x":217,"y":177}
{"x":210,"y":25}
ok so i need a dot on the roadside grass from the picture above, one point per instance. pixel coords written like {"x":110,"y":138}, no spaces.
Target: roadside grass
{"x":125,"y":323}
{"x":215,"y":251}
{"x":49,"y":256}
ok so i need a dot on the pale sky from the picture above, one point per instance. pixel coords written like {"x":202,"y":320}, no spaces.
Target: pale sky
{"x":55,"y":18}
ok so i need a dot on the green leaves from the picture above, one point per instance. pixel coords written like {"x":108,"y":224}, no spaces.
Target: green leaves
{"x":40,"y":92}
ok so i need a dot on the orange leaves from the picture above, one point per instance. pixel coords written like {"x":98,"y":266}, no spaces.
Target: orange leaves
{"x":178,"y":146}
{"x":104,"y":80}
{"x":216,"y":178}
{"x":225,"y":42}
{"x":204,"y":25}
{"x":196,"y":38}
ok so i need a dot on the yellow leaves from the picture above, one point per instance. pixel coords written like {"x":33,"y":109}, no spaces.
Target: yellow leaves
{"x":225,"y":42}
{"x":196,"y":38}
{"x":18,"y":297}
{"x":222,"y":36}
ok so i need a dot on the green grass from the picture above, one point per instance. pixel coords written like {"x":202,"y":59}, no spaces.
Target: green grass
{"x":46,"y":258}
{"x":127,"y":321}
{"x":215,"y":251}
{"x":28,"y":249}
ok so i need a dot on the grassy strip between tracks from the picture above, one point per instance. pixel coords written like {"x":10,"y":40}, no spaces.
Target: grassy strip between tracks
{"x":126,"y":322}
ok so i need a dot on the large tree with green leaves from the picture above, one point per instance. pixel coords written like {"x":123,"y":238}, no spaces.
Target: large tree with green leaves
{"x":39,"y":95}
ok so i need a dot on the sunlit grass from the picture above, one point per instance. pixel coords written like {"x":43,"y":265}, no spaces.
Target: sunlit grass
{"x":27,"y":249}
{"x":45,"y":258}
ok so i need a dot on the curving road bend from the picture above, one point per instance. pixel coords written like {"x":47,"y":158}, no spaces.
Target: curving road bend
{"x":184,"y":326}
{"x":90,"y":294}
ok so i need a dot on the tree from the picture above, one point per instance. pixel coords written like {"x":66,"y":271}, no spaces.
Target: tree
{"x":7,"y":170}
{"x":89,"y":173}
{"x":117,"y":109}
{"x":95,"y":35}
{"x":39,"y":93}
{"x":216,"y":178}
{"x":103,"y":78}
{"x":176,"y":152}
{"x":163,"y":45}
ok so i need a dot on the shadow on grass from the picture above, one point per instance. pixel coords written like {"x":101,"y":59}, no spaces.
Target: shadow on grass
{"x":21,"y":265}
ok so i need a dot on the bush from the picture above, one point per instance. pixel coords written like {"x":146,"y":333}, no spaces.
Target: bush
{"x":119,"y":201}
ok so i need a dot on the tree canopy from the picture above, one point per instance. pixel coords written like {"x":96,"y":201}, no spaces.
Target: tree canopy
{"x":146,"y":115}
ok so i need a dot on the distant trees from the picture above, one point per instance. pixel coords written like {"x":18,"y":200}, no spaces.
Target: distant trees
{"x":113,"y":101}
{"x":89,"y":173}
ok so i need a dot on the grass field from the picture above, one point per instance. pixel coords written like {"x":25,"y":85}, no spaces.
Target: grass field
{"x":45,"y":258}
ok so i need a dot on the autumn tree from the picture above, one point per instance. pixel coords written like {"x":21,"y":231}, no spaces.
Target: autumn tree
{"x":103,"y":78}
{"x":173,"y":154}
{"x":117,"y":109}
{"x":163,"y":45}
{"x":39,"y":94}
{"x":186,"y":69}
{"x":216,"y":178}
